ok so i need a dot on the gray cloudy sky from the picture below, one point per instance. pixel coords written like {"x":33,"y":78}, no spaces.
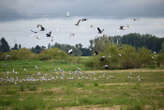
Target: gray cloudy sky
{"x":17,"y":17}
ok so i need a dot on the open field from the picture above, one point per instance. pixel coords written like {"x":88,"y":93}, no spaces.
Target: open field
{"x":48,"y":85}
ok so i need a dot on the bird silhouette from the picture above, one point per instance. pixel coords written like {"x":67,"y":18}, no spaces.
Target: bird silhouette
{"x":134,"y":19}
{"x":78,"y":22}
{"x":49,"y":34}
{"x":34,"y":31}
{"x":70,"y":51}
{"x":68,"y":14}
{"x":91,"y":26}
{"x":100,"y":31}
{"x":122,"y":28}
{"x":41,"y":27}
{"x":81,"y":20}
{"x":84,"y":19}
{"x":72,"y":34}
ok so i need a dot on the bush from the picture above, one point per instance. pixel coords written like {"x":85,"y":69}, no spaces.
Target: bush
{"x":18,"y":54}
{"x":52,"y":53}
{"x":160,"y":58}
{"x":2,"y":56}
{"x":124,"y":56}
{"x":145,"y":57}
{"x":129,"y":57}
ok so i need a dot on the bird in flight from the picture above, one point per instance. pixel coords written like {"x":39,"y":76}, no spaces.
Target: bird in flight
{"x":70,"y":51}
{"x":78,"y":22}
{"x":84,"y":19}
{"x":68,"y":14}
{"x":81,"y":20}
{"x":34,"y":31}
{"x":49,"y":34}
{"x":100,"y":31}
{"x":134,"y":19}
{"x":41,"y":27}
{"x":72,"y":34}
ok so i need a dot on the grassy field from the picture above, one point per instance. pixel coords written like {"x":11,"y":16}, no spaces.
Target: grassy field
{"x":60,"y":85}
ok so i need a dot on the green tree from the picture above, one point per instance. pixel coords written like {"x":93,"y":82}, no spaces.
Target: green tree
{"x":4,"y":47}
{"x":145,"y":56}
{"x":161,"y":56}
{"x":15,"y":47}
{"x":129,"y":57}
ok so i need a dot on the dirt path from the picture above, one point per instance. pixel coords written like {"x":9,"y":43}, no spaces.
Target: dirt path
{"x":90,"y":108}
{"x":129,"y":70}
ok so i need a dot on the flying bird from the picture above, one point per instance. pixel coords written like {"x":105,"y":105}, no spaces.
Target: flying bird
{"x":34,"y":31}
{"x":70,"y":51}
{"x":134,"y":19}
{"x":72,"y":34}
{"x":81,"y":20}
{"x":49,"y":34}
{"x":100,"y":31}
{"x":37,"y":38}
{"x":68,"y":14}
{"x":41,"y":27}
{"x":91,"y":26}
{"x":124,"y":27}
{"x":52,"y":40}
{"x":84,"y":19}
{"x":78,"y":22}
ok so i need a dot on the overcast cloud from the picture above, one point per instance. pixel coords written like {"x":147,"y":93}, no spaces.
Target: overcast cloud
{"x":18,"y":17}
{"x":28,"y":9}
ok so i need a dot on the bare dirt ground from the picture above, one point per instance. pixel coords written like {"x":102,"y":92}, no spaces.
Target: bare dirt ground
{"x":90,"y":108}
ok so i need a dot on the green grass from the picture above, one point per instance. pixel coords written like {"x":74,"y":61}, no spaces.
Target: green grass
{"x":43,"y":66}
{"x":129,"y":94}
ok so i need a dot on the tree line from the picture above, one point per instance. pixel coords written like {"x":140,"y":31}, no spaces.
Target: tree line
{"x":134,"y":39}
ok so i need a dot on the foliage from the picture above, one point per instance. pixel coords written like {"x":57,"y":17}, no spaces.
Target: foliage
{"x":134,"y":39}
{"x":123,"y":56}
{"x":129,"y":57}
{"x":38,"y":49}
{"x":145,"y":56}
{"x":78,"y":49}
{"x":17,"y":54}
{"x":4,"y":46}
{"x":52,"y":53}
{"x":161,"y":56}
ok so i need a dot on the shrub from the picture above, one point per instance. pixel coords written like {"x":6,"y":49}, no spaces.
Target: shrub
{"x":145,"y":57}
{"x":124,"y":56}
{"x":129,"y":57}
{"x":160,"y":58}
{"x":19,"y":54}
{"x":52,"y":53}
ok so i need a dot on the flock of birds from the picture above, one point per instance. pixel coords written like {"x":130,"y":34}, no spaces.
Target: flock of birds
{"x":14,"y":77}
{"x":49,"y":34}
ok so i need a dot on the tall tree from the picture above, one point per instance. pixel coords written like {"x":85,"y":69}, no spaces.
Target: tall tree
{"x":20,"y":46}
{"x":4,"y":47}
{"x":15,"y":47}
